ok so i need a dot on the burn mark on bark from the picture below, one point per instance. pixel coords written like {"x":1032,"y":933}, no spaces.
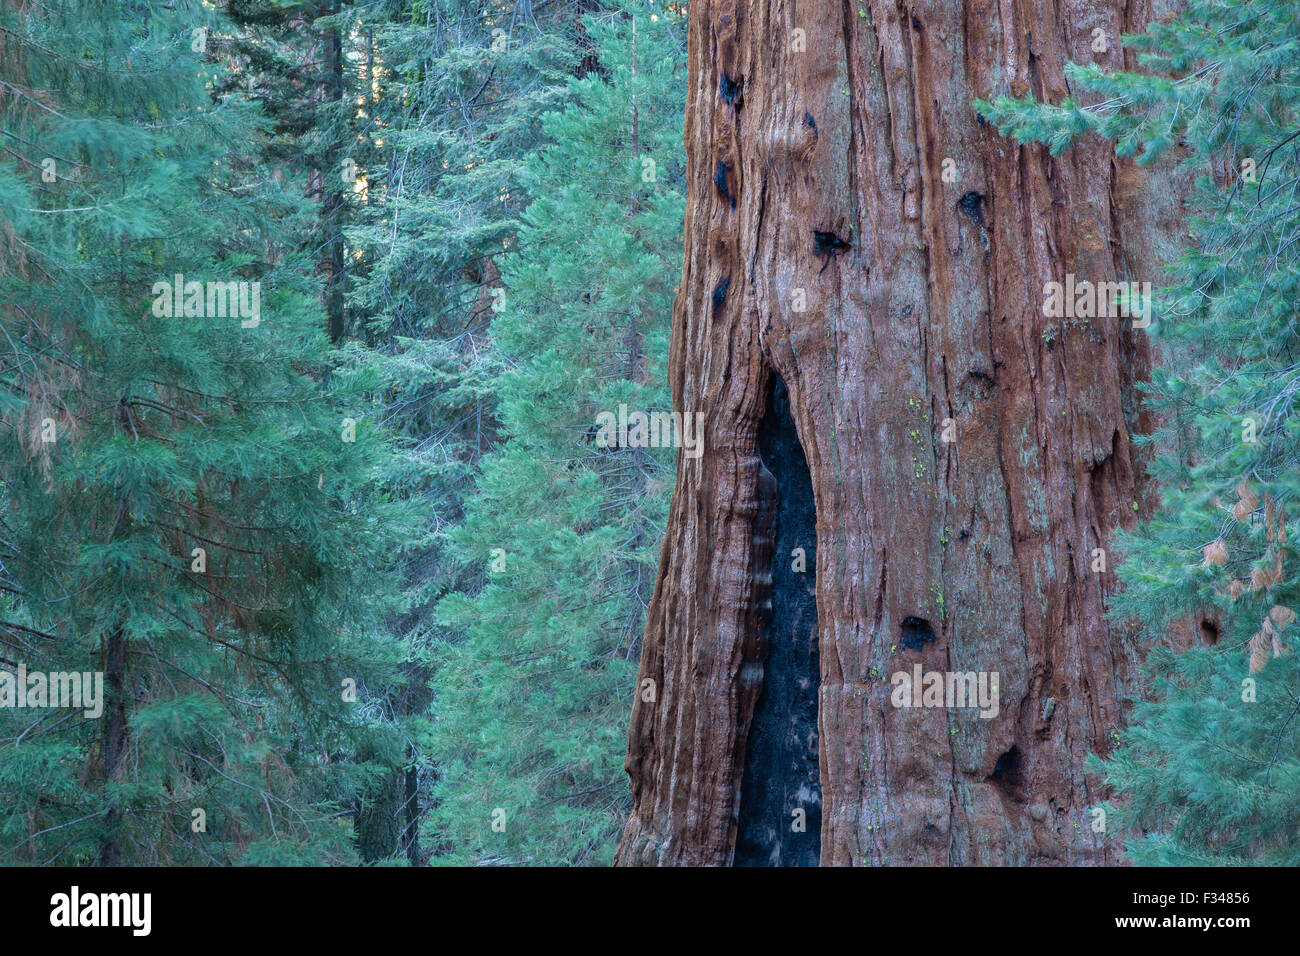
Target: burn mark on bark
{"x":915,"y":633}
{"x":1035,"y":75}
{"x":719,"y":296}
{"x":720,"y":180}
{"x":977,"y":385}
{"x":729,"y":90}
{"x":1008,"y":775}
{"x":762,"y":211}
{"x":972,"y":204}
{"x":809,"y":121}
{"x":782,"y":774}
{"x":827,"y":245}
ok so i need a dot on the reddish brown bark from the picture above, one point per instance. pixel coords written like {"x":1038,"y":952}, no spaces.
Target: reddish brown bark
{"x":933,"y":312}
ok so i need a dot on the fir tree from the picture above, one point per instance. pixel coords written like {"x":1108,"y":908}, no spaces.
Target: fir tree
{"x":451,"y":93}
{"x":186,"y":505}
{"x":564,"y":529}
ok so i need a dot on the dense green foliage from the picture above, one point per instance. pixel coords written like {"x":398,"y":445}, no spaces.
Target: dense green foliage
{"x":513,"y":277}
{"x":132,"y":436}
{"x":387,"y":173}
{"x":363,"y":583}
{"x":1209,"y":771}
{"x":532,"y":698}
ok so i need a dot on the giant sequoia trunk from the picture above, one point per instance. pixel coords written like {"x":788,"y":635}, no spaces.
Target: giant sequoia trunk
{"x":829,"y":258}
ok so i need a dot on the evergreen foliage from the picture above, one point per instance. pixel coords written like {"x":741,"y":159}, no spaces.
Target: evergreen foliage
{"x":130,"y":437}
{"x":1209,"y":769}
{"x":464,"y":222}
{"x":532,"y":692}
{"x":483,"y":212}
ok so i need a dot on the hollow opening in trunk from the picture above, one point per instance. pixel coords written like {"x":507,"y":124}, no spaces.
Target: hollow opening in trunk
{"x":1008,"y":775}
{"x":780,"y":793}
{"x":915,"y":633}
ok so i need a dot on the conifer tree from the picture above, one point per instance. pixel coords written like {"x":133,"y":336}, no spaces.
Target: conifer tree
{"x":564,"y":525}
{"x":187,"y":501}
{"x":1209,"y":770}
{"x":315,"y":66}
{"x":451,"y":93}
{"x":291,"y":57}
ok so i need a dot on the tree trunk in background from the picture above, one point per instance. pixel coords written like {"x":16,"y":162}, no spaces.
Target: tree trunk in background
{"x":933,"y":311}
{"x":113,"y":741}
{"x":334,"y":207}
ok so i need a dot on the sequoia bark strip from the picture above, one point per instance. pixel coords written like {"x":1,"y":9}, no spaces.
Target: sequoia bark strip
{"x":919,"y":306}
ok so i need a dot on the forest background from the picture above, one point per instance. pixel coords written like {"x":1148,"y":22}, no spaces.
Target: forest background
{"x":361,"y":581}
